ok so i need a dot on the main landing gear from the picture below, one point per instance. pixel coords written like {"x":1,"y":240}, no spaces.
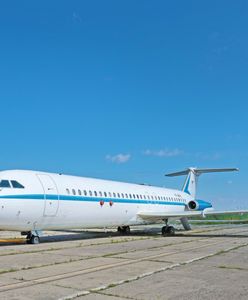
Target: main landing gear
{"x":168,"y":230}
{"x":124,"y":229}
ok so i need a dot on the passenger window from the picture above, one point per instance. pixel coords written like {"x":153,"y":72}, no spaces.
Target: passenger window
{"x":137,"y":196}
{"x":16,"y":185}
{"x":114,"y":195}
{"x":4,"y":184}
{"x":90,"y":192}
{"x":105,"y":194}
{"x":100,"y":193}
{"x":122,"y":195}
{"x":68,"y":191}
{"x":73,"y":192}
{"x":126,"y":195}
{"x":79,"y":192}
{"x":140,"y":196}
{"x":133,"y":196}
{"x":130,"y":196}
{"x":110,"y":195}
{"x":85,"y":193}
{"x":95,"y":193}
{"x":118,"y":195}
{"x":144,"y":197}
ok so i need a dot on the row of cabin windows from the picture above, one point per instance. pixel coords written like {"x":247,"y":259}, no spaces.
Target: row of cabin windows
{"x":121,"y":195}
{"x":10,"y":184}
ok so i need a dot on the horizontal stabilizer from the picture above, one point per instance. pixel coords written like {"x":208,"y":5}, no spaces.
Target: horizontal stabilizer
{"x":201,"y":171}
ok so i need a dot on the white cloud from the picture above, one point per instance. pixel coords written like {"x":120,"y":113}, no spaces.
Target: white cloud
{"x":118,"y":158}
{"x":163,"y":152}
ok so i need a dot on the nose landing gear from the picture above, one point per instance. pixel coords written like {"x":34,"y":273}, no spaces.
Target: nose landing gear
{"x":33,"y":238}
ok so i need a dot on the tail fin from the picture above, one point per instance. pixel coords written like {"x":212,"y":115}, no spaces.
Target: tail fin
{"x":190,"y":184}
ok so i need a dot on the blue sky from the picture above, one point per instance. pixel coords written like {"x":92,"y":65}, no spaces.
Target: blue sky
{"x":127,"y":90}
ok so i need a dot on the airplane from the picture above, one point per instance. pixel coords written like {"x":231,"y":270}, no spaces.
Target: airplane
{"x":33,"y":201}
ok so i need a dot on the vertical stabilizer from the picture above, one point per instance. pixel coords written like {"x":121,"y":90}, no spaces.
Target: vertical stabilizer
{"x":190,"y":184}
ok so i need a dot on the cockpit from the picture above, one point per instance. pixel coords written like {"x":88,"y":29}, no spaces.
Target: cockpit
{"x":4,"y":183}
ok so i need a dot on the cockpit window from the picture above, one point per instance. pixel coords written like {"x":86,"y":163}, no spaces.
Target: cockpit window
{"x":16,"y":184}
{"x":4,"y":184}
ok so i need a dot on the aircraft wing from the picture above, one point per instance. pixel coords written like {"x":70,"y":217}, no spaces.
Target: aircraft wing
{"x":224,"y":212}
{"x":155,"y":215}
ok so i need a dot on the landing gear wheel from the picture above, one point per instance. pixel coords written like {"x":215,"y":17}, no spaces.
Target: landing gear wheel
{"x":124,"y":229}
{"x":33,"y":239}
{"x":127,"y":230}
{"x":168,"y":230}
{"x":171,"y":230}
{"x":164,"y":230}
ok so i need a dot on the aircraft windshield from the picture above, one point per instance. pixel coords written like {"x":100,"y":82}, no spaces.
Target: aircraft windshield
{"x":16,"y":184}
{"x":4,"y":184}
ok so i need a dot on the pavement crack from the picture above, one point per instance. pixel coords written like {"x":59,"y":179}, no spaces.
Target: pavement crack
{"x":232,"y":268}
{"x":115,"y":295}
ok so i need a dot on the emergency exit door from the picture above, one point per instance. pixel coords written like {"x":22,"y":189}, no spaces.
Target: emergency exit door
{"x":50,"y":194}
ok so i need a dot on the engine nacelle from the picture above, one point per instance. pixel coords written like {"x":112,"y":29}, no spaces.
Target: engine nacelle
{"x":198,"y":205}
{"x":193,"y":205}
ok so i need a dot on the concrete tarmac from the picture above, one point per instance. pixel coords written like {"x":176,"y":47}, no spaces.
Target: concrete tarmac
{"x":209,"y":262}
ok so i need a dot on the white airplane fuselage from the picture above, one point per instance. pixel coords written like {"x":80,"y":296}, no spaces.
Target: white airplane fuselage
{"x":55,"y":201}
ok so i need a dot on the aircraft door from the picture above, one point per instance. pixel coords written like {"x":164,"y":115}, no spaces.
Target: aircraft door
{"x":50,"y":195}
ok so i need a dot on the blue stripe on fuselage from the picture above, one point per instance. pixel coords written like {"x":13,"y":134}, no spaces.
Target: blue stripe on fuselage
{"x":89,"y":199}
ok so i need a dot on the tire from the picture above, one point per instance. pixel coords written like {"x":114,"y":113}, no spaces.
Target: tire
{"x":127,"y":230}
{"x":171,"y":230}
{"x":164,"y":230}
{"x":124,"y":230}
{"x":34,"y":240}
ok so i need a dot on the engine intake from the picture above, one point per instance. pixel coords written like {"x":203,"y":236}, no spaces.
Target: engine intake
{"x":193,"y":205}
